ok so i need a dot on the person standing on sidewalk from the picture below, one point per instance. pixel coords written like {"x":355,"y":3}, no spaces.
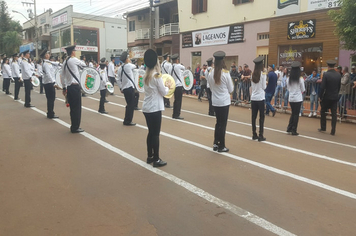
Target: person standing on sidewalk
{"x":270,"y":90}
{"x":211,"y":111}
{"x":203,"y":81}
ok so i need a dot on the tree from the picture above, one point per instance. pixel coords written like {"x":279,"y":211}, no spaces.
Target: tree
{"x":345,"y":20}
{"x":12,"y":41}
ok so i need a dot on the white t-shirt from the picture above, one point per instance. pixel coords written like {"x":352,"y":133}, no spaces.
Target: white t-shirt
{"x":154,"y":93}
{"x":258,"y":90}
{"x":221,"y":92}
{"x":296,"y":90}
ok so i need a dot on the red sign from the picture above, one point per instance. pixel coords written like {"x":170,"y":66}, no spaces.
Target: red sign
{"x":60,"y":20}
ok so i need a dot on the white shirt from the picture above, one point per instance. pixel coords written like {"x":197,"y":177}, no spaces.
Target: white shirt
{"x":154,"y":93}
{"x":15,"y":68}
{"x":111,"y":69}
{"x":123,"y":81}
{"x":66,"y":78}
{"x":91,"y":65}
{"x":166,"y":67}
{"x":279,"y":77}
{"x":6,"y":71}
{"x":177,"y":71}
{"x":48,"y":72}
{"x":26,"y":69}
{"x":39,"y":70}
{"x":296,"y":90}
{"x":258,"y":90}
{"x":207,"y":75}
{"x":19,"y":61}
{"x":104,"y":79}
{"x":221,"y":92}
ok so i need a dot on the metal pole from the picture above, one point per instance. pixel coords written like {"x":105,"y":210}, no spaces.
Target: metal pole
{"x":36,"y":30}
{"x":151,"y":24}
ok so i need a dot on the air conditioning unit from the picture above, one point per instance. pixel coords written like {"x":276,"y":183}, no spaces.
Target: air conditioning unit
{"x":140,"y":17}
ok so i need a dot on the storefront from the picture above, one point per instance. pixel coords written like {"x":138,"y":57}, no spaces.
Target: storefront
{"x":307,"y":37}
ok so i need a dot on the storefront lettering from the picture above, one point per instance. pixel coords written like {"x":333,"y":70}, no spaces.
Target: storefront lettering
{"x":301,"y":30}
{"x":214,"y":36}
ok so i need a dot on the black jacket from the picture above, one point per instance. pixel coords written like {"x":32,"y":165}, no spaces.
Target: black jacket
{"x":330,"y":86}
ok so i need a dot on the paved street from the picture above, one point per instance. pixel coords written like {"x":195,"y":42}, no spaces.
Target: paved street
{"x":54,"y":182}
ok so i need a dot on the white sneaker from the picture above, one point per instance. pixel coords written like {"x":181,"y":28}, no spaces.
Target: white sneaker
{"x":315,"y":114}
{"x":300,"y":114}
{"x":310,"y":114}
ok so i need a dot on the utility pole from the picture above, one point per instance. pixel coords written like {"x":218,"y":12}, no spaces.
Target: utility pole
{"x":36,"y":26}
{"x":151,"y":24}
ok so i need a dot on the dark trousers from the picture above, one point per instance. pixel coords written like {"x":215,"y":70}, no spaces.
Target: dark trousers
{"x":102,"y":100}
{"x":112,"y":81}
{"x":211,"y":108}
{"x":137,"y":97}
{"x":177,"y":104}
{"x":167,"y":102}
{"x":7,"y":85}
{"x":325,"y":106}
{"x":74,"y":97}
{"x":153,"y":121}
{"x":234,"y":93}
{"x":129,"y":94}
{"x":294,"y":117}
{"x":202,"y":89}
{"x":28,"y":86}
{"x":41,"y":84}
{"x":258,"y":106}
{"x":3,"y":85}
{"x":51,"y":97}
{"x":17,"y":87}
{"x":221,"y":114}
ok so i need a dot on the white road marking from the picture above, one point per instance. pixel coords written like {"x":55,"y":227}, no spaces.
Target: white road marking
{"x":190,"y":187}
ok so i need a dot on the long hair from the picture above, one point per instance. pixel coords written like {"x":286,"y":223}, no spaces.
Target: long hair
{"x":219,"y":65}
{"x":150,"y":71}
{"x":294,"y":75}
{"x":256,"y":75}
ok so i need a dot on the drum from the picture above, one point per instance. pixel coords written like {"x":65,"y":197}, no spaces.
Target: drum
{"x":139,"y":80}
{"x":90,"y":80}
{"x":57,"y":75}
{"x":109,"y":87}
{"x":35,"y":81}
{"x":188,"y":80}
{"x":167,"y":79}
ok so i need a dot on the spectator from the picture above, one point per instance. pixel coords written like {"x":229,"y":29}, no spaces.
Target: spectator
{"x":339,"y":69}
{"x":240,"y":72}
{"x":344,"y":92}
{"x":285,"y":76}
{"x":304,"y":75}
{"x":271,"y":87}
{"x":313,"y":81}
{"x":279,"y":89}
{"x":203,"y":81}
{"x":235,"y":79}
{"x":246,"y":77}
{"x":197,"y":73}
{"x":353,"y":90}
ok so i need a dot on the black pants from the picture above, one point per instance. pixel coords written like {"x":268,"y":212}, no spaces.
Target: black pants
{"x":202,"y":89}
{"x":129,"y":94}
{"x":167,"y":102}
{"x":325,"y":106}
{"x":28,"y":86}
{"x":137,"y":97}
{"x":153,"y":121}
{"x":102,"y":100}
{"x":177,"y":104}
{"x":3,"y":85}
{"x":74,"y":97}
{"x":51,"y":97}
{"x":211,"y":108}
{"x":41,"y":84}
{"x":7,"y":85}
{"x":258,"y":106}
{"x":17,"y":87}
{"x":112,"y":81}
{"x":294,"y":117}
{"x":222,"y":114}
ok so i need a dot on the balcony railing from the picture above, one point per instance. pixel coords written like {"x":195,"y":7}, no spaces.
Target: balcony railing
{"x":169,"y":29}
{"x":143,"y":34}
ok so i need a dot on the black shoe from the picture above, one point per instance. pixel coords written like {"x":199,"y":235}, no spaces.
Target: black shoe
{"x":28,"y":106}
{"x":52,"y":117}
{"x":79,"y":130}
{"x":159,"y":163}
{"x":103,"y":112}
{"x":16,"y":99}
{"x":111,"y":93}
{"x":106,"y":101}
{"x":332,"y":133}
{"x":130,"y":124}
{"x":261,"y":138}
{"x":168,"y":106}
{"x":223,"y":149}
{"x":211,"y":114}
{"x":8,"y":93}
{"x":254,"y":137}
{"x":215,"y":147}
{"x":41,"y":92}
{"x":321,"y":130}
{"x":84,"y":95}
{"x":178,"y":118}
{"x":274,"y":113}
{"x":137,"y":109}
{"x":199,"y":99}
{"x":295,"y":133}
{"x":150,"y":160}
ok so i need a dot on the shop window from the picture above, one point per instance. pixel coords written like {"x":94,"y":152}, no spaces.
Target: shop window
{"x":85,"y":37}
{"x":265,"y":61}
{"x":353,"y":61}
{"x":199,"y":6}
{"x":236,"y":2}
{"x":131,"y":25}
{"x":262,"y":36}
{"x":65,"y":37}
{"x":55,"y":40}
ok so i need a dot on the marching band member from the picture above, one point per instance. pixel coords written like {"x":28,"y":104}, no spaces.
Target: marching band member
{"x":27,"y":72}
{"x":258,"y":86}
{"x":84,"y":60}
{"x":71,"y":88}
{"x":127,"y":86}
{"x":40,"y":74}
{"x":19,"y":61}
{"x":166,"y":69}
{"x":111,"y":71}
{"x":7,"y":75}
{"x":178,"y":93}
{"x":49,"y":82}
{"x":15,"y":67}
{"x":103,"y":81}
{"x":221,"y":87}
{"x":208,"y":90}
{"x":153,"y":106}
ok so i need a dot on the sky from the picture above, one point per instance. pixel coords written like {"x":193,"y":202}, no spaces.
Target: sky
{"x":108,"y":8}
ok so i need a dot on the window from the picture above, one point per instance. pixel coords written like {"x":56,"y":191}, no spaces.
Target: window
{"x":55,"y":40}
{"x":65,"y":37}
{"x":85,"y":37}
{"x":262,"y":36}
{"x":131,"y":25}
{"x":265,"y":61}
{"x":235,"y":2}
{"x":40,"y":31}
{"x":199,"y":6}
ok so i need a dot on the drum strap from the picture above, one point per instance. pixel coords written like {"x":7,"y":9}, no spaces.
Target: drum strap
{"x":164,"y":67}
{"x":123,"y":71}
{"x":75,"y":77}
{"x":173,"y":71}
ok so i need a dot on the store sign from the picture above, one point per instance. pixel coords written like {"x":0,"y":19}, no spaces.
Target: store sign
{"x":187,"y":40}
{"x":83,"y":48}
{"x":285,"y":7}
{"x":60,"y":20}
{"x":303,"y":29}
{"x":288,"y":54}
{"x":236,"y":34}
{"x":137,"y":52}
{"x":322,"y":4}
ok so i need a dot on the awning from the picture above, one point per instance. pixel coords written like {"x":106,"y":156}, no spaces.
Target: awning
{"x":26,"y":47}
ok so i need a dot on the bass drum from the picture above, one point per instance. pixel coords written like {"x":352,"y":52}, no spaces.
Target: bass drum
{"x":90,"y":80}
{"x":168,"y":80}
{"x":57,"y":75}
{"x":35,"y":81}
{"x":109,"y":87}
{"x":188,"y":80}
{"x":139,"y":80}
